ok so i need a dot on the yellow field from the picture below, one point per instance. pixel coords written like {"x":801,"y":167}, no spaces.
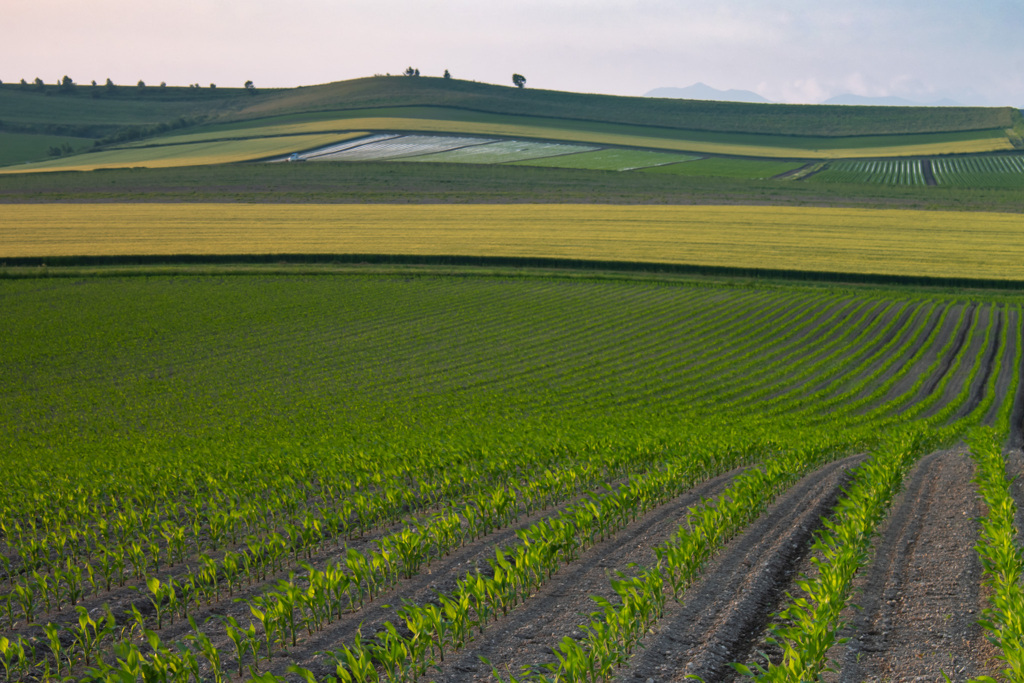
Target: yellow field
{"x":948,"y":244}
{"x":190,"y":154}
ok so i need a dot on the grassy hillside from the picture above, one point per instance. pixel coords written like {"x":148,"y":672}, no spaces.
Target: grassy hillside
{"x":121,"y":115}
{"x":728,"y":117}
{"x":97,"y":110}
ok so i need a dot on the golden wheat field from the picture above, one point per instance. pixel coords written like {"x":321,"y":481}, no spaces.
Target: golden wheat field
{"x":945,"y":244}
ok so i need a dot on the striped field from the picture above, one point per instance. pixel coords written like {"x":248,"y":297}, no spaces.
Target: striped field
{"x":188,"y":154}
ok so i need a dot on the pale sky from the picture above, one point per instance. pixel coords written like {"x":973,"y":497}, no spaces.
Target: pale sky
{"x":805,"y":51}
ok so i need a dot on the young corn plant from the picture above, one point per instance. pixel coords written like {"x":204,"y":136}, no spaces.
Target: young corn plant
{"x":13,"y":657}
{"x":354,"y":664}
{"x":1001,"y":558}
{"x":245,"y":641}
{"x":810,"y":622}
{"x":90,"y":634}
{"x":210,"y":652}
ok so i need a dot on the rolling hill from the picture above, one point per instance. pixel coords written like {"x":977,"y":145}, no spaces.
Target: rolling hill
{"x":117,"y":126}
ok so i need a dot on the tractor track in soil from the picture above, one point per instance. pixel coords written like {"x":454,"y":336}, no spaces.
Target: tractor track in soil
{"x":725,"y":611}
{"x":920,"y":597}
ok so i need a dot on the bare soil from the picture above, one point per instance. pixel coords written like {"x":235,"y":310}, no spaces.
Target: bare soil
{"x":920,"y":598}
{"x":724,"y":612}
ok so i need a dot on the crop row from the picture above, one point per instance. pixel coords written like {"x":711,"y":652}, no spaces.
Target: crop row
{"x":452,"y":412}
{"x":980,"y":171}
{"x":879,"y":171}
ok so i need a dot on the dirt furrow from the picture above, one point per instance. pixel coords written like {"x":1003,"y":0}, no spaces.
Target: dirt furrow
{"x":725,"y":611}
{"x":970,"y":350}
{"x":525,"y":636}
{"x":909,"y":376}
{"x":930,"y":385}
{"x":977,"y":390}
{"x":920,"y":598}
{"x":1007,"y":370}
{"x":570,"y":587}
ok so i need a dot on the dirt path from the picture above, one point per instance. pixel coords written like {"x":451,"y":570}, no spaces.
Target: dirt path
{"x":920,"y":597}
{"x":724,"y":612}
{"x":926,"y":171}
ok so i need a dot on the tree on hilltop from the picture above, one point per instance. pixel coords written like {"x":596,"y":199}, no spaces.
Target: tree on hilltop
{"x":66,"y":84}
{"x":518,"y":80}
{"x":249,"y":88}
{"x":412,"y":72}
{"x":447,"y":75}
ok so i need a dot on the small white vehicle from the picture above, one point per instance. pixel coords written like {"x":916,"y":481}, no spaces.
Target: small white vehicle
{"x":294,"y":157}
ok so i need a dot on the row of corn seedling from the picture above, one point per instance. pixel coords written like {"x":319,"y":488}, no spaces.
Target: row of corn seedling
{"x":1001,"y":558}
{"x":615,"y":629}
{"x":808,"y":626}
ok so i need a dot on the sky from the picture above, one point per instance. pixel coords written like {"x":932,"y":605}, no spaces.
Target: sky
{"x":798,"y":51}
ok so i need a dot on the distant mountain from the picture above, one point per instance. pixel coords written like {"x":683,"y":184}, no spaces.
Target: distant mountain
{"x":847,"y":98}
{"x":699,"y":91}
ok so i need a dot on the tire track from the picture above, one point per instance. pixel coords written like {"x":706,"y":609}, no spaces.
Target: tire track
{"x":920,"y":599}
{"x":725,"y":611}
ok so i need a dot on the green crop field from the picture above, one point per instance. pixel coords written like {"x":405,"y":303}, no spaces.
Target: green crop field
{"x":19,"y":147}
{"x":987,"y":171}
{"x":514,"y":419}
{"x":301,"y":455}
{"x":754,"y":169}
{"x":611,"y":160}
{"x":390,"y":183}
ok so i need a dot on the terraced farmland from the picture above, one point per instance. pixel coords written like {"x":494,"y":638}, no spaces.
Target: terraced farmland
{"x":393,"y":476}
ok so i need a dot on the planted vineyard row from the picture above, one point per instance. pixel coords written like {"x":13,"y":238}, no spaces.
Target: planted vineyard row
{"x":879,"y":171}
{"x":980,"y":171}
{"x":367,"y":477}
